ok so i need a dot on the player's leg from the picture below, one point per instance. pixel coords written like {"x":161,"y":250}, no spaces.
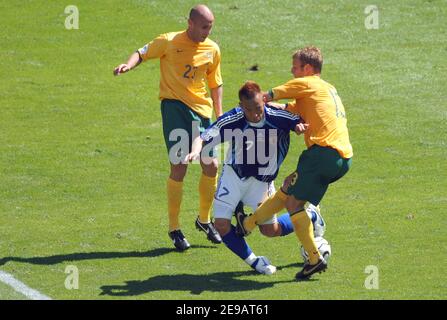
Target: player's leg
{"x":207,"y":183}
{"x":265,"y":211}
{"x":269,"y":207}
{"x":207,"y":189}
{"x":257,"y":193}
{"x":277,"y":226}
{"x":228,"y":195}
{"x":282,"y":225}
{"x":310,"y":185}
{"x":239,"y":246}
{"x":175,"y":193}
{"x":175,"y":131}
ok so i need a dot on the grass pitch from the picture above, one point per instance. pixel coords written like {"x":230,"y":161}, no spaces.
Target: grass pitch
{"x":83,"y":163}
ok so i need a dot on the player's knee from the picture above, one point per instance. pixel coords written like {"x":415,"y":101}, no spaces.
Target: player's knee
{"x":210,"y":166}
{"x":222,"y":226}
{"x":178,"y":172}
{"x":270,"y":230}
{"x":293,"y":205}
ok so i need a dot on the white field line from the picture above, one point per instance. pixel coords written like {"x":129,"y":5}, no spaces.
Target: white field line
{"x":21,"y":287}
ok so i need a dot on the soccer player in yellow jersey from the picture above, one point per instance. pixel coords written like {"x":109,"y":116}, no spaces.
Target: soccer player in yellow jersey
{"x":327,"y":158}
{"x":189,"y":61}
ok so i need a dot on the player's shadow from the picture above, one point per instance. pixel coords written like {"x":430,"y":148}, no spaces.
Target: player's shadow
{"x":291,"y":265}
{"x":60,"y":258}
{"x":195,"y":284}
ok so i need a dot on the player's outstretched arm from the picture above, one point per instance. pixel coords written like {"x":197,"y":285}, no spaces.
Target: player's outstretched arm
{"x":133,"y":61}
{"x":195,"y":150}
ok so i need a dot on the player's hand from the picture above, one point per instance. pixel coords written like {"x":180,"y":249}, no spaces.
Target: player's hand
{"x":266,"y":96}
{"x":193,"y":156}
{"x":301,"y":128}
{"x":122,"y":68}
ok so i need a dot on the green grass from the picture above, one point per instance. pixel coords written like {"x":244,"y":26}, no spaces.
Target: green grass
{"x":83,"y":164}
{"x":7,"y":293}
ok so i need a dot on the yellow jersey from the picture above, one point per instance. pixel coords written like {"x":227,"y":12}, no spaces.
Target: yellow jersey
{"x":185,"y":68}
{"x":317,"y":102}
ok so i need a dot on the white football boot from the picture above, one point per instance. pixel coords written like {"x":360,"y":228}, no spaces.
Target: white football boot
{"x":263,"y":265}
{"x":313,"y":212}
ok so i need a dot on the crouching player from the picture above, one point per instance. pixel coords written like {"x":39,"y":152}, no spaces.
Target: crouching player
{"x":259,"y":137}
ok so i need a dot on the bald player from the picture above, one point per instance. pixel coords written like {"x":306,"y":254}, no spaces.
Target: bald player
{"x":189,"y":63}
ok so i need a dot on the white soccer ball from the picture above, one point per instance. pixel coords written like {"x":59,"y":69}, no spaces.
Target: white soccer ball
{"x":323,"y":246}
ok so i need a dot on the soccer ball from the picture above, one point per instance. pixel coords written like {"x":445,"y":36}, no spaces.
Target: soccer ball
{"x":323,"y":246}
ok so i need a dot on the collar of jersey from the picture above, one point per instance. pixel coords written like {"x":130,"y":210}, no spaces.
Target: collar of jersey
{"x":259,"y":124}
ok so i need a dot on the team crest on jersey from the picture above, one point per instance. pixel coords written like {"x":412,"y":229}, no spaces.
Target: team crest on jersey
{"x":207,"y":56}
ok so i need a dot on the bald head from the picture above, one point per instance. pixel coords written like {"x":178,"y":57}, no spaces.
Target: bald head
{"x":201,"y":11}
{"x":200,"y":23}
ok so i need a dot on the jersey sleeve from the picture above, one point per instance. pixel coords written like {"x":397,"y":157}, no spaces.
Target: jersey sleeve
{"x":154,"y":49}
{"x":215,"y":132}
{"x":293,"y":89}
{"x":292,"y":107}
{"x":288,"y":120}
{"x":214,"y":76}
{"x":212,"y":133}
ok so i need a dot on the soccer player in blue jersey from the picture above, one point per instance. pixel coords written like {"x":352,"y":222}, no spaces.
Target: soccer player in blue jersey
{"x":259,"y":137}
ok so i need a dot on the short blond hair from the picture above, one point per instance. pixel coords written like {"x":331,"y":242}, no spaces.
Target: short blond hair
{"x":310,"y":55}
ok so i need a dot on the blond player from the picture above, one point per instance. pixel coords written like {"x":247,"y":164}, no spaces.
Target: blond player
{"x":189,"y":63}
{"x":327,"y":158}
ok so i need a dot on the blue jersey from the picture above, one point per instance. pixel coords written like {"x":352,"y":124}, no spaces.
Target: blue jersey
{"x":256,"y":149}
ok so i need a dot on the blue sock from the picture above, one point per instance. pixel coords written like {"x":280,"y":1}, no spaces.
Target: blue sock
{"x":286,"y":224}
{"x":237,"y":244}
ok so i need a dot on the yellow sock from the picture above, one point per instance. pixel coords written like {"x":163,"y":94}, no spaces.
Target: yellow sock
{"x":305,"y":233}
{"x":266,"y":210}
{"x":207,"y":189}
{"x":174,"y":191}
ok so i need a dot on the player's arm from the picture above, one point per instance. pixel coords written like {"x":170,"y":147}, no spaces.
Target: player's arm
{"x":212,"y":136}
{"x":293,"y":122}
{"x":196,"y":147}
{"x":154,"y":49}
{"x":133,"y":61}
{"x":294,"y":89}
{"x":215,"y":83}
{"x":216,"y":95}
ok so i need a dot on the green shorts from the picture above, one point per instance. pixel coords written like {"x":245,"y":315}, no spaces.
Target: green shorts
{"x":181,"y":126}
{"x":317,"y":168}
